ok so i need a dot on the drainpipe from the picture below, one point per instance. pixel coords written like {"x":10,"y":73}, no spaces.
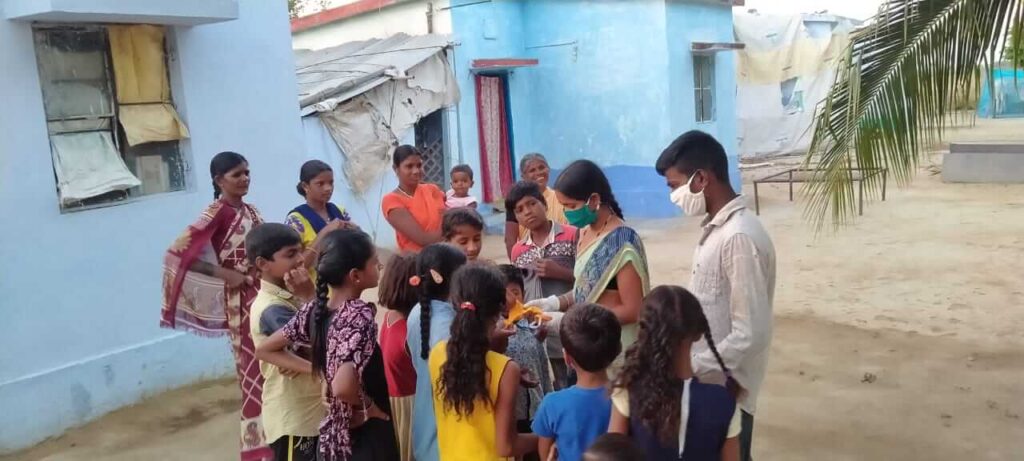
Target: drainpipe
{"x":430,"y":17}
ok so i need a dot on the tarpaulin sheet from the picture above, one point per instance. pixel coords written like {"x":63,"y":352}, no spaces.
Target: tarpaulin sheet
{"x":785,"y":69}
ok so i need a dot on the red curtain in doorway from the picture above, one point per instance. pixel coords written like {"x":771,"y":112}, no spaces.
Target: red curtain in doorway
{"x":495,"y":159}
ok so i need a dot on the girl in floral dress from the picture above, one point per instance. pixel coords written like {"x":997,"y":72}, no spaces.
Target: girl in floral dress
{"x":341,"y":331}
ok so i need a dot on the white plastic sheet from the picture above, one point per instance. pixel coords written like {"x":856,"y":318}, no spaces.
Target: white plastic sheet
{"x":368,"y":126}
{"x":786,"y":68}
{"x":87,"y":165}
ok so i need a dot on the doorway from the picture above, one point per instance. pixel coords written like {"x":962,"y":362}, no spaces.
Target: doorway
{"x":495,"y":131}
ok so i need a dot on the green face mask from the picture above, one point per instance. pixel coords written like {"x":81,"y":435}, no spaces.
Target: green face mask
{"x":582,"y":216}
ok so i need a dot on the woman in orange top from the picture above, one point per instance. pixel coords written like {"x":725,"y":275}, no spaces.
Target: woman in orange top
{"x":414,"y":208}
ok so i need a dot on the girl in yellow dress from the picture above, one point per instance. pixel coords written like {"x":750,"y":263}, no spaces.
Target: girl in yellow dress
{"x":475,"y":388}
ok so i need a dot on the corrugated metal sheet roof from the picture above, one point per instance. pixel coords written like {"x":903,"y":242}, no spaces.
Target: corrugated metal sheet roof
{"x":350,"y":69}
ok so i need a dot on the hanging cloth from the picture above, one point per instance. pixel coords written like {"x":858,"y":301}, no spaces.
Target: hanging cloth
{"x":143,"y":93}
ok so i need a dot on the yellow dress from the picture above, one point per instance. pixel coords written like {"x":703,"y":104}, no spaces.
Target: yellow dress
{"x":466,"y":438}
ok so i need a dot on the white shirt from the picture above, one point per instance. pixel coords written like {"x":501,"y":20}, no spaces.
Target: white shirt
{"x":734,"y":280}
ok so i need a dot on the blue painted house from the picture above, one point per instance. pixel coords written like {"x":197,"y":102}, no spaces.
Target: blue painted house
{"x":611,"y":81}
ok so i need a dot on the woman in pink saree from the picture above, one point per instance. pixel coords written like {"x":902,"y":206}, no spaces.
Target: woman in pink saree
{"x":208,"y":286}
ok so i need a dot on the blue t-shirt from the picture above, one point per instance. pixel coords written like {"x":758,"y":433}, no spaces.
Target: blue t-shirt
{"x":424,"y":424}
{"x":574,"y":417}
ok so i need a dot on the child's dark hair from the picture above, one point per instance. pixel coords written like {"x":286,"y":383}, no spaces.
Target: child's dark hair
{"x":395,"y":292}
{"x":402,"y":153}
{"x":462,"y":169}
{"x":521,"y":190}
{"x":478,"y":294}
{"x":222,"y":163}
{"x":583,"y":178}
{"x":670,"y":316}
{"x":310,"y":170}
{"x":591,"y":335}
{"x":513,"y":275}
{"x":443,"y":259}
{"x":613,"y":447}
{"x":457,"y":217}
{"x":266,"y":239}
{"x":341,"y":251}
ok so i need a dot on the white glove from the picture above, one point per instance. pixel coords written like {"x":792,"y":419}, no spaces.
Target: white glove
{"x":552,"y":325}
{"x":549,"y":304}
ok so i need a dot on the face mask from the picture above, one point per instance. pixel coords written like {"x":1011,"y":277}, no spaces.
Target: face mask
{"x":582,"y":216}
{"x":691,"y":203}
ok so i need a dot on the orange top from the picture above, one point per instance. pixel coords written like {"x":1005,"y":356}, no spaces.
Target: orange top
{"x":426,"y":207}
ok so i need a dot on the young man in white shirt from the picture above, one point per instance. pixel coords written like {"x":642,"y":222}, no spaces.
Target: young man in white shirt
{"x":733,"y":266}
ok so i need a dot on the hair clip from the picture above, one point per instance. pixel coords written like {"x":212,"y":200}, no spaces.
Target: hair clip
{"x":415,"y":280}
{"x":436,"y":276}
{"x":467,"y":306}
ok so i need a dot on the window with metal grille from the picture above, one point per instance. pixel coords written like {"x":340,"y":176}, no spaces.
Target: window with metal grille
{"x":704,"y":87}
{"x":94,"y":165}
{"x":429,"y":133}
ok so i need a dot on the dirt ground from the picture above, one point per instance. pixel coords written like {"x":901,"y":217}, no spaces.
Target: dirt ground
{"x":899,"y":337}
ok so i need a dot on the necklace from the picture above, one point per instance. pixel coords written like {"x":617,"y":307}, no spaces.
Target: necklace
{"x":589,"y":240}
{"x":404,"y":192}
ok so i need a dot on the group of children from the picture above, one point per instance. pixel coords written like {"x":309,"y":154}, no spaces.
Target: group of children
{"x":451,"y":376}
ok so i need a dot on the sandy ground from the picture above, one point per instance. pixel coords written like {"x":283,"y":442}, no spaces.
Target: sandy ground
{"x":899,"y":337}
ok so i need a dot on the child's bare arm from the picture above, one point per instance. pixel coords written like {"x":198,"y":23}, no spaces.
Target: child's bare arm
{"x":544,"y":447}
{"x":509,"y":442}
{"x":731,"y":449}
{"x":345,"y":384}
{"x":618,"y":424}
{"x":274,"y":351}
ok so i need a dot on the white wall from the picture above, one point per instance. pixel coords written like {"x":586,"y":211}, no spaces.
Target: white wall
{"x":81,"y":291}
{"x":408,"y":17}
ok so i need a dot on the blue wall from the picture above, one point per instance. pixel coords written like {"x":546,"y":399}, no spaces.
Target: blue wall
{"x":81,"y":291}
{"x":614,"y":83}
{"x":365,"y":208}
{"x":1009,"y":90}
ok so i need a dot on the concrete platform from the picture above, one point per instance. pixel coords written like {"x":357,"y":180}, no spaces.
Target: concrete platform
{"x":979,"y":162}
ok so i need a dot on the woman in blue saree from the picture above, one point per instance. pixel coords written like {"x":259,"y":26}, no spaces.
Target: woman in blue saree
{"x":611,"y":265}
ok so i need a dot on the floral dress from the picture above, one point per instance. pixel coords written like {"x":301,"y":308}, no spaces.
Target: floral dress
{"x":351,"y":337}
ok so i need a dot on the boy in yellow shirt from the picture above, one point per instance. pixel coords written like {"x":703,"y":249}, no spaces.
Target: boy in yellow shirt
{"x":291,"y":404}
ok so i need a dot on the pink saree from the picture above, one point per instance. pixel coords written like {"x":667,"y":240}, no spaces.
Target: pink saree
{"x":204,"y":306}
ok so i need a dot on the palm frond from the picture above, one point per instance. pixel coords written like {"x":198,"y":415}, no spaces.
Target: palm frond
{"x":898,"y":79}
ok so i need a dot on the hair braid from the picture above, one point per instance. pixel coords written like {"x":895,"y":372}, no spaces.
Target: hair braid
{"x":614,"y":205}
{"x":319,"y":318}
{"x":425,"y":318}
{"x":730,"y":383}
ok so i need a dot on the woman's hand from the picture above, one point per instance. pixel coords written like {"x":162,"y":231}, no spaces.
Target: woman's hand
{"x":549,"y":304}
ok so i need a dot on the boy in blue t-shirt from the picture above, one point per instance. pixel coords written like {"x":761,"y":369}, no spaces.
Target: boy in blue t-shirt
{"x":571,"y":419}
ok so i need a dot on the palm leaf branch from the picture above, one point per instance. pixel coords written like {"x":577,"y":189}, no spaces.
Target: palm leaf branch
{"x":894,"y":86}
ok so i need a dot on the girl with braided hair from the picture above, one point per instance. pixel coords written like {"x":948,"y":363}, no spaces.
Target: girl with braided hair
{"x":429,"y":323}
{"x":656,"y":398}
{"x":342,"y":333}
